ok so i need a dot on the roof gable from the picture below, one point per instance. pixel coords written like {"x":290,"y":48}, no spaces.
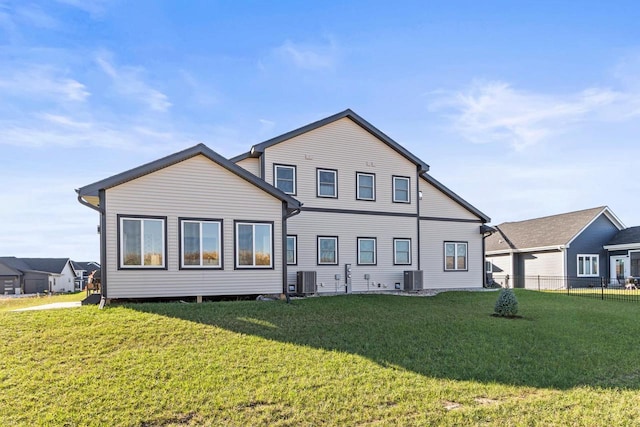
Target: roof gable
{"x":92,"y":190}
{"x":546,"y":232}
{"x":258,"y":149}
{"x":453,"y":196}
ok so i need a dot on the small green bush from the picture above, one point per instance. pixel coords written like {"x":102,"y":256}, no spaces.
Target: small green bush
{"x":507,"y":304}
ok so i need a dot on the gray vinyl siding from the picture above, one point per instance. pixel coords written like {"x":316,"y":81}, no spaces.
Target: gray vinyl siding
{"x":196,"y":188}
{"x":250,"y":164}
{"x":591,"y":241}
{"x":435,"y":203}
{"x":433,"y":234}
{"x":348,"y":148}
{"x":348,"y":227}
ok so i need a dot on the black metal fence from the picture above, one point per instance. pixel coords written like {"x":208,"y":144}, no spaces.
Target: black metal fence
{"x":590,"y":287}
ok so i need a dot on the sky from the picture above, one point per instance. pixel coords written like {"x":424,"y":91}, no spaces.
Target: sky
{"x":523,"y":108}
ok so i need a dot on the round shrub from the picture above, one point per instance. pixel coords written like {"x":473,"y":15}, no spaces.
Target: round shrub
{"x":507,"y":304}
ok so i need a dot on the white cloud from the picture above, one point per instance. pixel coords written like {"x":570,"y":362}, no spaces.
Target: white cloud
{"x":93,"y":7}
{"x":43,"y":82}
{"x":34,"y":15}
{"x":495,"y":111}
{"x":309,"y":56}
{"x":129,"y":82}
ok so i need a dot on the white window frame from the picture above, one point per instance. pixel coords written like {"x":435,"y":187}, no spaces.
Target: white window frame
{"x":403,"y":178}
{"x":335,"y":183}
{"x":318,"y":249}
{"x":295,"y":249}
{"x":183,"y":221}
{"x":141,"y":219}
{"x":395,"y":251}
{"x":373,"y":186}
{"x":590,"y":257}
{"x":275,"y":177}
{"x":455,"y":256}
{"x":253,"y":266}
{"x":488,"y":266}
{"x":375,"y":250}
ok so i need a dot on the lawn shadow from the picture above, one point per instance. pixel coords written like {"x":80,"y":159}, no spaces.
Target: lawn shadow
{"x":449,"y":336}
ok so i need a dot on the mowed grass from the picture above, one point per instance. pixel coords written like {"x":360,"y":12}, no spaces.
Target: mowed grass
{"x":12,"y":303}
{"x":347,"y":360}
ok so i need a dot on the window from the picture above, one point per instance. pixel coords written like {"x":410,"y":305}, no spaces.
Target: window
{"x":285,"y":178}
{"x":455,"y":256}
{"x":366,"y":250}
{"x":327,"y":250}
{"x":201,"y":243}
{"x":292,"y":250}
{"x":366,"y":186}
{"x":254,"y":245}
{"x":142,"y":242}
{"x":401,"y":189}
{"x":327,"y":183}
{"x":401,"y":251}
{"x":588,"y":265}
{"x":488,"y":266}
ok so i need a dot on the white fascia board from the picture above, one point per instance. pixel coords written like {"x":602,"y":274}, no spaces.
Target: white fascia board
{"x":623,"y":247}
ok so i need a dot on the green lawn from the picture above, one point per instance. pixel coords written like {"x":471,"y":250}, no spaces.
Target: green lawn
{"x":348,"y":360}
{"x":12,"y":303}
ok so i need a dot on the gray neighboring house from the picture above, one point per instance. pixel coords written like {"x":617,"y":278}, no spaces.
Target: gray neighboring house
{"x":562,"y":249}
{"x":34,"y":275}
{"x":624,"y":254}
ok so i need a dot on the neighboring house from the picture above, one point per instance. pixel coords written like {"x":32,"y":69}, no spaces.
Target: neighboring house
{"x":83,"y":270}
{"x":33,"y":275}
{"x":624,"y":254}
{"x":559,"y":250}
{"x":336,"y":204}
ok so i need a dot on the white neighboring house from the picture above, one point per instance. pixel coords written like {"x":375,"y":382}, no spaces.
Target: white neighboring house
{"x":332,"y":207}
{"x":34,"y":275}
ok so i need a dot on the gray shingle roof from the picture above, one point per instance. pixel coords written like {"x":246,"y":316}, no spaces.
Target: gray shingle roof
{"x":626,"y":236}
{"x":6,"y":270}
{"x":47,"y":265}
{"x":555,"y":230}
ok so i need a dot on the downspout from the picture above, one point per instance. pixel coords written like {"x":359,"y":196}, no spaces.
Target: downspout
{"x":418,"y":214}
{"x":286,"y":214}
{"x":103,"y":245}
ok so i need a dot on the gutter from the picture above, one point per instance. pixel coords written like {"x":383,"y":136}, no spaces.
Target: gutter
{"x":87,"y":204}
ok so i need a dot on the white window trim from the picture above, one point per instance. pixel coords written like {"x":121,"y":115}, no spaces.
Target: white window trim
{"x":373,"y":187}
{"x":591,"y":257}
{"x":455,"y":256}
{"x":490,"y":265}
{"x":395,"y":251}
{"x":275,"y":177}
{"x":142,"y":219}
{"x":237,"y":245}
{"x":375,"y":250}
{"x":404,"y":178}
{"x":335,"y":183}
{"x":182,"y":251}
{"x":295,"y":249}
{"x":335,"y":239}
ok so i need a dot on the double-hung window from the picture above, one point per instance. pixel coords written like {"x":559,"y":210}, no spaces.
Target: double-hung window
{"x":254,"y":244}
{"x":366,"y":186}
{"x":292,"y":250}
{"x":201,"y":243}
{"x":327,"y":250}
{"x":455,"y":256}
{"x":142,"y":242}
{"x":366,"y":250}
{"x":285,"y":178}
{"x":327,"y":183}
{"x":588,"y":265}
{"x":401,"y":251}
{"x":401,"y":189}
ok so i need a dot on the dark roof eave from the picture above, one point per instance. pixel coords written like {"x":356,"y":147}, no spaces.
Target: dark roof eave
{"x":455,"y":197}
{"x":258,"y":149}
{"x":199,"y":149}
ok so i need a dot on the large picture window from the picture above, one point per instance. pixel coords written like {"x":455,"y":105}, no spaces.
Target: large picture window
{"x":327,"y":250}
{"x":254,"y":245}
{"x":142,"y":242}
{"x":366,"y":251}
{"x":401,"y":251}
{"x":401,"y":189}
{"x":327,"y":183}
{"x":285,"y":178}
{"x":366,"y":186}
{"x":455,"y":256}
{"x":588,"y":265}
{"x":201,"y":243}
